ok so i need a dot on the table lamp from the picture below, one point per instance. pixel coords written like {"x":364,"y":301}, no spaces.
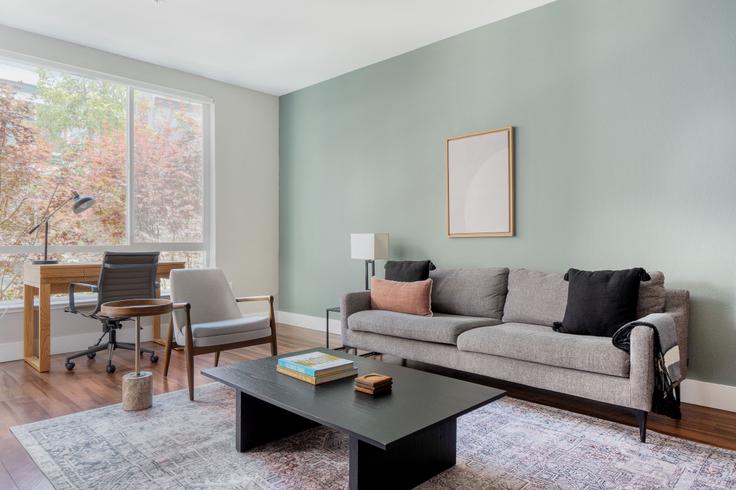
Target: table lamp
{"x":369,"y":247}
{"x":80,"y":204}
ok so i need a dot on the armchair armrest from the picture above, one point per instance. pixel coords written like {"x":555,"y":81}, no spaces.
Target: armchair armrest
{"x":269,"y":299}
{"x":245,"y":299}
{"x":188,"y":324}
{"x":72,"y":287}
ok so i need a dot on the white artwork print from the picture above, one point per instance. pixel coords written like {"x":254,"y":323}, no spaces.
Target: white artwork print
{"x":479,"y":187}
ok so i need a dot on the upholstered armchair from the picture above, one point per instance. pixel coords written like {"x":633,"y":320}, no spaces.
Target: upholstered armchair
{"x":206,"y":318}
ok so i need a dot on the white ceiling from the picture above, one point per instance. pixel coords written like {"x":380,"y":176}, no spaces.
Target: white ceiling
{"x":275,"y":46}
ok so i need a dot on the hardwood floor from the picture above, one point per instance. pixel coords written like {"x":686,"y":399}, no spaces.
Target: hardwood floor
{"x":27,"y":396}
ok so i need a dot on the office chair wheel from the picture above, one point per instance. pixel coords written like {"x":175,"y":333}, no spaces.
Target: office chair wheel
{"x":154,"y":358}
{"x":91,"y":355}
{"x":110,"y":368}
{"x":69,"y":365}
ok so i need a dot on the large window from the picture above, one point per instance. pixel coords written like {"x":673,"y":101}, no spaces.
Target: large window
{"x":140,"y":153}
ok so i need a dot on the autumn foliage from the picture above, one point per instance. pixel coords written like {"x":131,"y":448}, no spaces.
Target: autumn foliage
{"x":70,"y":134}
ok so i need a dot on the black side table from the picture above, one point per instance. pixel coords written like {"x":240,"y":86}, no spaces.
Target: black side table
{"x":334,"y":309}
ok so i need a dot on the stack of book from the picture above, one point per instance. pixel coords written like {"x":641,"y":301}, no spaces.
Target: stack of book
{"x":373,"y":384}
{"x":316,"y":367}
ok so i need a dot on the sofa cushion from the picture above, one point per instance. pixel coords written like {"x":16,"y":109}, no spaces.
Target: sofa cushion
{"x":541,"y":344}
{"x":247,"y":327}
{"x":652,"y":295}
{"x":472,"y":292}
{"x":535,"y":297}
{"x":440,"y":328}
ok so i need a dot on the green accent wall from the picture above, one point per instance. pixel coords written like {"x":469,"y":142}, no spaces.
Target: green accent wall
{"x":625,"y":117}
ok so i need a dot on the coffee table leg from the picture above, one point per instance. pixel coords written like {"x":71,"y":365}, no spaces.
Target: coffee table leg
{"x":258,"y":422}
{"x":408,"y":462}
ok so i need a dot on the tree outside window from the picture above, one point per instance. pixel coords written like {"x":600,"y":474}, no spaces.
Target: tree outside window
{"x":61,"y":132}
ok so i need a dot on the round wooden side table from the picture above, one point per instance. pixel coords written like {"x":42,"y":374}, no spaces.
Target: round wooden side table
{"x":138,"y":385}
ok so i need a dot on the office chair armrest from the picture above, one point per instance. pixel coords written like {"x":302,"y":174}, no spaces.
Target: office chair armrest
{"x":72,"y":287}
{"x":244,"y":299}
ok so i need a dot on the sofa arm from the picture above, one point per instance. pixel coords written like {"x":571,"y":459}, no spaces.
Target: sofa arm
{"x":353,"y":303}
{"x":641,"y":371}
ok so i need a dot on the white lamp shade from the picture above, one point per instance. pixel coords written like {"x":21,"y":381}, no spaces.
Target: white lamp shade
{"x":369,"y":246}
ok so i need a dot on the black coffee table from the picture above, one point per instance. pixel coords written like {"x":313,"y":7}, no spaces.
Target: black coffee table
{"x":396,"y":441}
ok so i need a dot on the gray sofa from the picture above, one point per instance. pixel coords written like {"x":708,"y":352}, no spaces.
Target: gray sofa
{"x":498,"y":323}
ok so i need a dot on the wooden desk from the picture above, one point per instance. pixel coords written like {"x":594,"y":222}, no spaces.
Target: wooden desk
{"x":43,"y":280}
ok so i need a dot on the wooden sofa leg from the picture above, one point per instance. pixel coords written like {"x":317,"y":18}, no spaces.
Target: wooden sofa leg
{"x":217,"y":358}
{"x":641,"y":417}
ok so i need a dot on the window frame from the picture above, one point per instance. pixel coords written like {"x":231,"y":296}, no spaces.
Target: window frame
{"x":207,"y":244}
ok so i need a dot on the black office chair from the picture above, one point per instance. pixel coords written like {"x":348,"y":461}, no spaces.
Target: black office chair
{"x":124,"y":275}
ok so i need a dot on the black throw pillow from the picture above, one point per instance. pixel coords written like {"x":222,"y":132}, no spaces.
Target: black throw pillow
{"x":600,"y":302}
{"x":408,"y":270}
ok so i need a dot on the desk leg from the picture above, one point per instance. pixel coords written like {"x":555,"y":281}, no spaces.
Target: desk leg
{"x":157,"y":324}
{"x":157,"y":331}
{"x":44,"y":327}
{"x":29,"y":321}
{"x":38,"y":355}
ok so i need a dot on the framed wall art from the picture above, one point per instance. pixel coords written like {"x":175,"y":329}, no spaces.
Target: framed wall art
{"x":479,"y":173}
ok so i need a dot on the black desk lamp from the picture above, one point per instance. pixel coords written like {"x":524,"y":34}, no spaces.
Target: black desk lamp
{"x":81,"y":204}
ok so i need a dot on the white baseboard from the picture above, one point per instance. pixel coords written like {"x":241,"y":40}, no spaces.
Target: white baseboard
{"x":309,"y":321}
{"x":11,"y":351}
{"x":709,"y":394}
{"x":62,"y":344}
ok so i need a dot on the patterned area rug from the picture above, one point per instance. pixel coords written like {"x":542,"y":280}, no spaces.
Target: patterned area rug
{"x":509,"y":444}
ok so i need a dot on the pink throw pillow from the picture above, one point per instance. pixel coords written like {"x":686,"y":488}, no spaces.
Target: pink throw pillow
{"x":414,"y":298}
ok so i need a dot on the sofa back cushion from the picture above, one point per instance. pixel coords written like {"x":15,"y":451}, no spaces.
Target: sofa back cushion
{"x":470,"y":292}
{"x":541,"y":297}
{"x":535,"y":297}
{"x":652,"y":295}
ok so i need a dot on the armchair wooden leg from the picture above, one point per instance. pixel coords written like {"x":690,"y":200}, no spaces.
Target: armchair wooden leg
{"x":274,"y":340}
{"x":217,"y":358}
{"x":190,"y":371}
{"x":169,"y":342}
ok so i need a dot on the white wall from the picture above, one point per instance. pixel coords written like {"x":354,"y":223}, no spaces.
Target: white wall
{"x":245,"y":176}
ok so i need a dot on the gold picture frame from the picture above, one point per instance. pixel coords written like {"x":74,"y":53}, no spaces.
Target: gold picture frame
{"x":479,"y":184}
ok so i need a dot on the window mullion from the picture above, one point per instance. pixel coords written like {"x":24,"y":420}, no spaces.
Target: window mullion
{"x":130,"y":188}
